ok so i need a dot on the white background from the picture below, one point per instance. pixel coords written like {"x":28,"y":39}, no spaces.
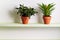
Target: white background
{"x":8,"y":15}
{"x":8,"y":12}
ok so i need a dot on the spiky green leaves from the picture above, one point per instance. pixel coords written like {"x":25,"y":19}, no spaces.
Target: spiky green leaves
{"x":46,"y":9}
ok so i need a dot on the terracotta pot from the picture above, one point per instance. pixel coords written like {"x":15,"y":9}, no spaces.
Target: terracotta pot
{"x":25,"y":20}
{"x":46,"y":19}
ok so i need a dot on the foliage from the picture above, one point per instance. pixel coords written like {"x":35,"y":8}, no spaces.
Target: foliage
{"x":25,"y":11}
{"x":46,"y":9}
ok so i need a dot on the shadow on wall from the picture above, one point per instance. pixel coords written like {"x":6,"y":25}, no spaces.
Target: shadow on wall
{"x":40,"y":16}
{"x":17,"y":19}
{"x":13,"y":14}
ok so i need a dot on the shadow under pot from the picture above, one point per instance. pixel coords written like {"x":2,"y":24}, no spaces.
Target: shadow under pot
{"x":25,"y":19}
{"x":46,"y":19}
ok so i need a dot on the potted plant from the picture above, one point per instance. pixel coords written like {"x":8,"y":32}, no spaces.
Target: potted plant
{"x":25,"y":13}
{"x":46,"y":10}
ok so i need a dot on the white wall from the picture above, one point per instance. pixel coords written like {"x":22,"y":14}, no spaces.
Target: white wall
{"x":8,"y":15}
{"x":8,"y":6}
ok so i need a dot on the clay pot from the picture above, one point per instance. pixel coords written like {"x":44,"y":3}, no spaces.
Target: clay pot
{"x":25,"y":20}
{"x":46,"y":19}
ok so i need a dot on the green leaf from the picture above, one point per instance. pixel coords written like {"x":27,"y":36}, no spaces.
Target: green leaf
{"x":46,"y":9}
{"x":26,"y":11}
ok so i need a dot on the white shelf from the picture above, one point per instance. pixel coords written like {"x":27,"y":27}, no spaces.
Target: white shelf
{"x":29,"y":25}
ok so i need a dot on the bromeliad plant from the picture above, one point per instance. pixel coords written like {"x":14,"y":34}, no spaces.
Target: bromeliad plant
{"x":46,"y":10}
{"x":26,"y":13}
